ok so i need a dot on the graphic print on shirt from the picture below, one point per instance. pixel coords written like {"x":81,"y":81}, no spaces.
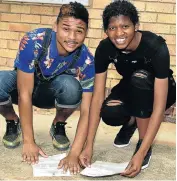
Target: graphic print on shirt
{"x":52,"y":63}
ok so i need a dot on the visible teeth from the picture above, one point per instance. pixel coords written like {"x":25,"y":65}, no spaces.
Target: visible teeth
{"x":120,"y":40}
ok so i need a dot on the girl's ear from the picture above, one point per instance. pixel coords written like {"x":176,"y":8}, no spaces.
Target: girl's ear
{"x":54,"y":27}
{"x":106,"y":32}
{"x":137,"y":27}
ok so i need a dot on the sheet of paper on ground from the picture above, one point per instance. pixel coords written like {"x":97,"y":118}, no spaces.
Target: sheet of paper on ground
{"x":48,"y":166}
{"x":100,"y":169}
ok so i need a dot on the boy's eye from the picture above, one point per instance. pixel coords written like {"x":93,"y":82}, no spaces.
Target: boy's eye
{"x":66,"y":29}
{"x":79,"y":31}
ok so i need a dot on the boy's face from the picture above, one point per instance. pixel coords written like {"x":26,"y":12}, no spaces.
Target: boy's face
{"x":70,"y":34}
{"x":121,"y":31}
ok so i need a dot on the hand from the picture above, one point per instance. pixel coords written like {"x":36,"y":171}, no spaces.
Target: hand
{"x":31,"y":153}
{"x":70,"y":162}
{"x":86,"y":156}
{"x":134,"y":166}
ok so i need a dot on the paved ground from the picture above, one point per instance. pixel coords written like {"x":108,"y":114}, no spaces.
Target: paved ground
{"x":162,"y":166}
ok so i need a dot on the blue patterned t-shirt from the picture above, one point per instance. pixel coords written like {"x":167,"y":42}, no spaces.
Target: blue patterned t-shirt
{"x":31,"y":47}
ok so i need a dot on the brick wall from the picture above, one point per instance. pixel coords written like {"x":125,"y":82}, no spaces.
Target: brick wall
{"x":16,"y":18}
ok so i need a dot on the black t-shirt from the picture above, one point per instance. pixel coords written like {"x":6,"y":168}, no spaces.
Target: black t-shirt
{"x":152,"y":55}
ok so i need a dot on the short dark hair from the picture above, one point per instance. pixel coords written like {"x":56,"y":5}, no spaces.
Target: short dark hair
{"x":74,"y":9}
{"x":117,"y":8}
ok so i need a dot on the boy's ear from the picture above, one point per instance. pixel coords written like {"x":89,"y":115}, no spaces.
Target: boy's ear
{"x":54,"y":27}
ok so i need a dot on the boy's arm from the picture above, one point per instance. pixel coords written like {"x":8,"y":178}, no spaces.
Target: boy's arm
{"x":71,"y":161}
{"x":160,"y":97}
{"x":25,"y":84}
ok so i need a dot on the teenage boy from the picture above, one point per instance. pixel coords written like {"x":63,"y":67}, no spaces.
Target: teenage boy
{"x":53,"y":69}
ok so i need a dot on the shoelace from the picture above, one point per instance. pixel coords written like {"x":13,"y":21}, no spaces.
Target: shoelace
{"x":11,"y":127}
{"x":60,"y":129}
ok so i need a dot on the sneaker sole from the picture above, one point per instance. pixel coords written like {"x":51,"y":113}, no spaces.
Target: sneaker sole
{"x":11,"y":147}
{"x":121,"y":146}
{"x":145,"y":166}
{"x":59,"y":148}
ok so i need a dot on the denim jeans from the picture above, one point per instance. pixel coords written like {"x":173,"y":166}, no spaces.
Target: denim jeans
{"x":63,"y":91}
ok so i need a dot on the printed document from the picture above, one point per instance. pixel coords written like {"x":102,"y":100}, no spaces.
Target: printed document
{"x":48,"y":167}
{"x":100,"y":169}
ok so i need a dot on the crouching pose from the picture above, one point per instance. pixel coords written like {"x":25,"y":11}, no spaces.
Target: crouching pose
{"x":53,"y":69}
{"x":146,"y":90}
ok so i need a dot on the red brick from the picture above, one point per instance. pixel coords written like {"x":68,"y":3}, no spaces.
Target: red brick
{"x":9,"y":35}
{"x":45,"y":10}
{"x":10,"y":62}
{"x":20,"y":9}
{"x":3,"y":43}
{"x":10,"y":17}
{"x":30,"y":18}
{"x":13,"y":44}
{"x":48,"y":20}
{"x":4,"y":7}
{"x":3,"y":61}
{"x":19,"y":27}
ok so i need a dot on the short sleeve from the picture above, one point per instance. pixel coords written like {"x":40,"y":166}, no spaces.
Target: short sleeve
{"x":101,"y":58}
{"x":88,"y":74}
{"x":29,"y":48}
{"x":161,"y":62}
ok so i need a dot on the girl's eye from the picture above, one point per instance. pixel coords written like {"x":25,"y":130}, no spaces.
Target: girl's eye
{"x":125,"y":26}
{"x":112,"y":28}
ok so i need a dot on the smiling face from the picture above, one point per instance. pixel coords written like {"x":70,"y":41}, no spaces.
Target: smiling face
{"x":70,"y":34}
{"x":122,"y":32}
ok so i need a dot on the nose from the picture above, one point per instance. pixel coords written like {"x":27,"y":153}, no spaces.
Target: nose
{"x":72,"y":35}
{"x":119,"y":32}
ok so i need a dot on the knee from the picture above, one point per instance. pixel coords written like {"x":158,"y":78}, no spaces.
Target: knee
{"x":7,"y":84}
{"x":69,"y":92}
{"x":113,"y":115}
{"x":142,"y":79}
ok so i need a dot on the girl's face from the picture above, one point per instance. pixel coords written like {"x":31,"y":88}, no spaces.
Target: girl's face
{"x":121,"y":31}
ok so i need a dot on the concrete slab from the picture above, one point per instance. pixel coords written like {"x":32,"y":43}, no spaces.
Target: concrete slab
{"x":162,"y":166}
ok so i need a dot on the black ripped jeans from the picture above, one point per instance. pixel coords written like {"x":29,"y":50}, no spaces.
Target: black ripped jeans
{"x":136,"y":96}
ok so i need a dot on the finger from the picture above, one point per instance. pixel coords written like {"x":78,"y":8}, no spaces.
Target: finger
{"x":33,"y":160}
{"x":88,"y":162}
{"x":28,"y":159}
{"x":24,"y":157}
{"x":83,"y":162}
{"x":42,"y":153}
{"x":60,"y":165}
{"x":65,"y":168}
{"x":75,"y":169}
{"x":78,"y":168}
{"x":71,"y":169}
{"x":133,"y":174}
{"x":36,"y":157}
{"x":129,"y":171}
{"x":127,"y":168}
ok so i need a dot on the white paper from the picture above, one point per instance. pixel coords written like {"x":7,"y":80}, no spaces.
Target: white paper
{"x":100,"y":169}
{"x":48,"y":166}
